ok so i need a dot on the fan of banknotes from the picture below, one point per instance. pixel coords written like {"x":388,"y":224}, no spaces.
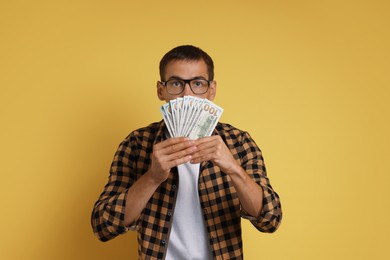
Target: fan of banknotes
{"x":190,"y":117}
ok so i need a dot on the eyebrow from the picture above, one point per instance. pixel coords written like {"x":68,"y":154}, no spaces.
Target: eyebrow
{"x":177,"y":77}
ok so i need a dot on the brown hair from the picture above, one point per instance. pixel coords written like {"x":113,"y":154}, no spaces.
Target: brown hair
{"x":190,"y":53}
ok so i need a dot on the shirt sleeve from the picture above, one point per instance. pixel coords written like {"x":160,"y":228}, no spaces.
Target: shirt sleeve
{"x":109,"y":211}
{"x":253,"y":162}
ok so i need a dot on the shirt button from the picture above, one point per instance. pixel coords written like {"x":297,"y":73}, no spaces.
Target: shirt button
{"x":169,"y":213}
{"x":173,"y":187}
{"x":163,"y":242}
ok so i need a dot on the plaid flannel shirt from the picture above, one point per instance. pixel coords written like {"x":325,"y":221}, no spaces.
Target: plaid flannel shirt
{"x":219,"y":201}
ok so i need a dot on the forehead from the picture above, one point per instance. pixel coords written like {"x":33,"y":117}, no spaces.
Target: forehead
{"x":186,"y":69}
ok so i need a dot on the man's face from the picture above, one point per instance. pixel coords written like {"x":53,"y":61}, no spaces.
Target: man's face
{"x":182,"y":69}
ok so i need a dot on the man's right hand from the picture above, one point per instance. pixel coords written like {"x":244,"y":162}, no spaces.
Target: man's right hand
{"x":168,"y":154}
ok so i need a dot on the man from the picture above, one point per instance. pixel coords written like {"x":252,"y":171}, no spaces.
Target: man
{"x":186,"y":197}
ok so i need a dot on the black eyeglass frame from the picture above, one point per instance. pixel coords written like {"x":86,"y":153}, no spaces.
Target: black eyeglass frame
{"x":187,"y":81}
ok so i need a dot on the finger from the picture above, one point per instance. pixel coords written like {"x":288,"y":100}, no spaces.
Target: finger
{"x":205,"y":155}
{"x":197,"y":160}
{"x":171,"y":141}
{"x":175,"y":146}
{"x":182,"y":153}
{"x":179,"y":161}
{"x":215,"y":144}
{"x":206,"y":139}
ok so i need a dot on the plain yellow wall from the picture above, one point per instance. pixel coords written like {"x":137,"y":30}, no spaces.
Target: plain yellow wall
{"x":308,"y":79}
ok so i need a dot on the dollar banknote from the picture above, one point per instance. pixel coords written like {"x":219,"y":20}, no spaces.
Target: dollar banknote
{"x":190,"y":117}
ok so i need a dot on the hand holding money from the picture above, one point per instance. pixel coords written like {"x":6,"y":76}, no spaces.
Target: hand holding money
{"x":191,"y":117}
{"x":196,"y":118}
{"x":168,"y":154}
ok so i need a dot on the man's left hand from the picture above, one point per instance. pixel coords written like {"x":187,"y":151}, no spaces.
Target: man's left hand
{"x":212,"y":148}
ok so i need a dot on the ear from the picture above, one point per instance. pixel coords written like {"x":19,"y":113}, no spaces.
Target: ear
{"x":213,"y":90}
{"x":160,"y":89}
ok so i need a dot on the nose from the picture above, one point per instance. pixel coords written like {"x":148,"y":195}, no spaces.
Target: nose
{"x":187,"y":90}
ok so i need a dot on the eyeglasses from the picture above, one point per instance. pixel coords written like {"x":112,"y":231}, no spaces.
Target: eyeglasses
{"x":176,"y":86}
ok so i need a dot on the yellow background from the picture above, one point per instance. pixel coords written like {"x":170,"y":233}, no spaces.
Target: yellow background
{"x":308,"y":79}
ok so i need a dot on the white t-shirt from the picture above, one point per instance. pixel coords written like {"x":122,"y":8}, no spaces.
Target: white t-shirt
{"x":188,"y":238}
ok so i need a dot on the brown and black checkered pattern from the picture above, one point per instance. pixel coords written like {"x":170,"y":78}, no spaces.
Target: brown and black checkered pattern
{"x":219,"y":201}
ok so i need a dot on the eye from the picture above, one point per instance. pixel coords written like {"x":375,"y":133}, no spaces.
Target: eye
{"x":175,"y":83}
{"x":198,"y":83}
